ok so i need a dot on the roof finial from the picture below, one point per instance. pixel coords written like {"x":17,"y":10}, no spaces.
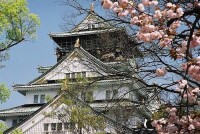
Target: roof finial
{"x":77,"y":44}
{"x":92,"y":7}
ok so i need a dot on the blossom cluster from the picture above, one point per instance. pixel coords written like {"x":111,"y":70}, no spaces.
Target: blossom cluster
{"x":160,"y":72}
{"x":148,"y":30}
{"x":166,"y":25}
{"x":175,"y":124}
{"x":193,"y":68}
{"x":152,"y":26}
{"x":189,"y":94}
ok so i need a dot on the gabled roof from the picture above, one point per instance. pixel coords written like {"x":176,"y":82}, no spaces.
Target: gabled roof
{"x":47,"y":106}
{"x":32,"y":115}
{"x":100,"y":25}
{"x":96,"y":31}
{"x":79,"y":51}
{"x":92,"y":18}
{"x":23,"y":88}
{"x":41,"y":111}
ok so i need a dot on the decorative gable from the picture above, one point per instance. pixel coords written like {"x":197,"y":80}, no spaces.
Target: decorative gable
{"x":78,"y":63}
{"x":91,"y":22}
{"x":72,"y":66}
{"x":55,"y":117}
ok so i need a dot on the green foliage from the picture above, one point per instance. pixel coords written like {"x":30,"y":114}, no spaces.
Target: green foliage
{"x":17,"y":24}
{"x":17,"y":131}
{"x":48,"y":98}
{"x":161,"y":113}
{"x":3,"y":127}
{"x":76,"y":112}
{"x":83,"y":117}
{"x":79,"y":86}
{"x":4,"y":93}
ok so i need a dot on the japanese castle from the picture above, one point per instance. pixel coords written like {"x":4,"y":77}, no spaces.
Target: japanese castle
{"x":102,"y":55}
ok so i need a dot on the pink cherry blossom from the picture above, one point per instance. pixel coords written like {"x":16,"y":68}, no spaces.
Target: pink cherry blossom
{"x":172,"y":128}
{"x":141,"y":7}
{"x":123,"y":14}
{"x":195,"y":90}
{"x":175,"y":25}
{"x":134,"y":20}
{"x":179,"y":12}
{"x":107,"y":4}
{"x":182,"y":83}
{"x":195,"y":42}
{"x":171,"y":14}
{"x":169,"y":4}
{"x":154,"y":2}
{"x":123,"y":2}
{"x":157,"y":14}
{"x":162,"y":24}
{"x":145,"y":2}
{"x":165,"y":42}
{"x":191,"y":127}
{"x":184,"y":66}
{"x":160,"y":72}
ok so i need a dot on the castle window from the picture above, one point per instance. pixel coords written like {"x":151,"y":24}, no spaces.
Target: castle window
{"x":88,"y":44}
{"x":14,"y":122}
{"x":35,"y":99}
{"x":83,"y":74}
{"x":42,"y":98}
{"x":108,"y":94}
{"x":72,"y":125}
{"x":66,"y":125}
{"x":90,"y":26}
{"x":67,"y":75}
{"x":96,"y":25}
{"x":69,"y":45}
{"x":51,"y":81}
{"x":115,"y":94}
{"x":53,"y":126}
{"x":46,"y":127}
{"x":72,"y":75}
{"x":59,"y":127}
{"x":75,"y":75}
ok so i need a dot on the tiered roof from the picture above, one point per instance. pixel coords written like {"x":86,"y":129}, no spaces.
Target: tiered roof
{"x":92,"y":18}
{"x":40,"y":82}
{"x":69,"y":34}
{"x":22,"y":110}
{"x":117,"y":125}
{"x":100,"y":25}
{"x":105,"y":69}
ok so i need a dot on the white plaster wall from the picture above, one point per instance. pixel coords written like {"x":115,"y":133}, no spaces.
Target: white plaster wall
{"x":100,"y":92}
{"x":35,"y":124}
{"x":49,"y":92}
{"x":99,"y":95}
{"x":74,"y":65}
{"x":9,"y":121}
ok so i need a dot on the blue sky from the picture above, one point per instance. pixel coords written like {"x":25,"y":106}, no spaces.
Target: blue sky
{"x":25,"y":58}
